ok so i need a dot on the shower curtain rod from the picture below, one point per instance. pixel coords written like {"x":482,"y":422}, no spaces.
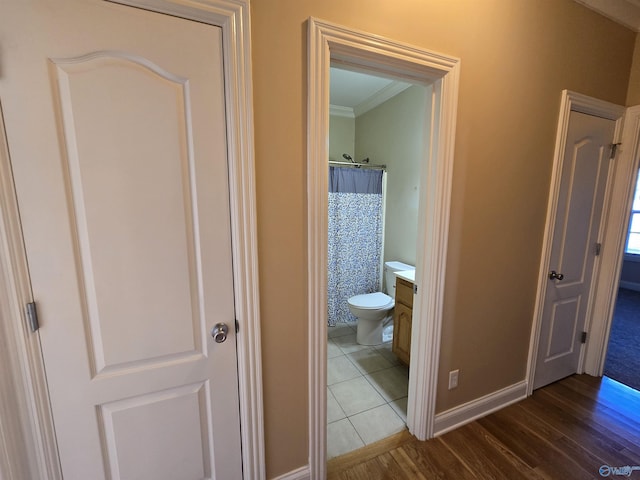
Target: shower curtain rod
{"x":357,"y":165}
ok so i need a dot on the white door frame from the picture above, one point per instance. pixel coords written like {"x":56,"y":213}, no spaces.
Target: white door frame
{"x":572,"y":101}
{"x":615,"y":235}
{"x":30,"y":450}
{"x":330,"y":43}
{"x":30,"y":403}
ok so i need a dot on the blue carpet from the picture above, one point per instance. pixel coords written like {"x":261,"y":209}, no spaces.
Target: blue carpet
{"x":623,"y":355}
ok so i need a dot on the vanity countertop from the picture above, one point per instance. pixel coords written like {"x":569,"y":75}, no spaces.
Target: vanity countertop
{"x":408,"y":275}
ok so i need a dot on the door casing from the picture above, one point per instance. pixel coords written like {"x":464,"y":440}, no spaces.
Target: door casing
{"x":572,"y":101}
{"x":330,"y":43}
{"x":30,"y":402}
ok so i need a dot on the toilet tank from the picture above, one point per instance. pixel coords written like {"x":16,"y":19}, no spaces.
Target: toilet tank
{"x":389,"y":275}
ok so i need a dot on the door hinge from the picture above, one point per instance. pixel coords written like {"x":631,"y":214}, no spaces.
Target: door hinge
{"x":237,"y":326}
{"x":583,"y":337}
{"x":415,"y":289}
{"x":614,"y":149}
{"x":32,"y":316}
{"x":598,"y":248}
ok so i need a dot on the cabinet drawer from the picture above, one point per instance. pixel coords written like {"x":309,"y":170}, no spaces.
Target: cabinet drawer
{"x":404,"y":292}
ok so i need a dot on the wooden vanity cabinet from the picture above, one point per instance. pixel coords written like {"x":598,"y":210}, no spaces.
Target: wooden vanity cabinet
{"x":402,"y":313}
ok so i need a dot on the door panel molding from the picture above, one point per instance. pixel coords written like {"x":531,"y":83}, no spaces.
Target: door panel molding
{"x":87,"y":187}
{"x":232,"y":16}
{"x":572,"y":305}
{"x":571,"y":101}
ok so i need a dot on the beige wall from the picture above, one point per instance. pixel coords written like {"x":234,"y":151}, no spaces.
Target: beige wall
{"x":516,"y":57}
{"x":633,"y":94}
{"x":393,"y":134}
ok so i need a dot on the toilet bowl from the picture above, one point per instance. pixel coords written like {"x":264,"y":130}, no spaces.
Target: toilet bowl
{"x":374,"y":310}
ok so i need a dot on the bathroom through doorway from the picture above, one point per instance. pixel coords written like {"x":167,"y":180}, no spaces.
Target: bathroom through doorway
{"x":376,"y":147}
{"x":333,"y":45}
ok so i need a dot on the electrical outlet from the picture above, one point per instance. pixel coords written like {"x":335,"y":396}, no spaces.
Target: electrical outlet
{"x":453,"y":379}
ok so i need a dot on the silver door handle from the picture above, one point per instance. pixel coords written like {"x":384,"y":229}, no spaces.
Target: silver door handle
{"x":219,"y":332}
{"x":553,"y":275}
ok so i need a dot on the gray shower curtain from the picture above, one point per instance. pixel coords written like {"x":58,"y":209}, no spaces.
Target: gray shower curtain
{"x":355,"y":237}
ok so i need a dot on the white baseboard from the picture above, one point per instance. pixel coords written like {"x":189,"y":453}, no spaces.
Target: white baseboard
{"x":465,"y":413}
{"x":302,"y":473}
{"x":630,"y":285}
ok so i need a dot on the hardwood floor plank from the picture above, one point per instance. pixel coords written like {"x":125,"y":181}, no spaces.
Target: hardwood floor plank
{"x":470,"y":443}
{"x":602,"y":439}
{"x":580,"y":438}
{"x":607,"y":392}
{"x":566,"y":431}
{"x":626,"y":429}
{"x":436,"y":461}
{"x":603,"y":418}
{"x":387,"y":467}
{"x":557,"y":459}
{"x":517,"y":437}
{"x":619,"y":396}
{"x":406,"y":464}
{"x":371,"y":470}
{"x":514,"y":459}
{"x":530,"y":444}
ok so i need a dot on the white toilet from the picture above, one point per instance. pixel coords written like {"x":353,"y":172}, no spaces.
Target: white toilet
{"x":374,"y":310}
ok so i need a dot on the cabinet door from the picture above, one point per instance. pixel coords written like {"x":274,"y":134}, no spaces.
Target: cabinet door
{"x":404,"y":292}
{"x":402,"y":332}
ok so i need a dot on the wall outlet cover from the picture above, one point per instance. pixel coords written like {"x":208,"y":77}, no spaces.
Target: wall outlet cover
{"x":453,"y":379}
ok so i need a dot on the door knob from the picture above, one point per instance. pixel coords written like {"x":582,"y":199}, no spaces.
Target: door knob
{"x":219,"y":332}
{"x":553,"y":275}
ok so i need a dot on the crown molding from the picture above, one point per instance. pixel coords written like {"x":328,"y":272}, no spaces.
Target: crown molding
{"x":380,"y":97}
{"x":338,"y":111}
{"x":624,"y":12}
{"x":370,"y":103}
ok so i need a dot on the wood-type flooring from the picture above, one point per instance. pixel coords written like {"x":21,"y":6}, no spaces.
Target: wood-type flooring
{"x":581,"y":427}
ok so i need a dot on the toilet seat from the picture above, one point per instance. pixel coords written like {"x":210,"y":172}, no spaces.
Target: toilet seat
{"x":372,"y":301}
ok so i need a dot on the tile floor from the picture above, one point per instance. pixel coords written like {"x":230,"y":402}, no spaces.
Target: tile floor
{"x":366,"y":392}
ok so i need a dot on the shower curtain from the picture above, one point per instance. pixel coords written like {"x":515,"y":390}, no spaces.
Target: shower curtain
{"x":355,"y":237}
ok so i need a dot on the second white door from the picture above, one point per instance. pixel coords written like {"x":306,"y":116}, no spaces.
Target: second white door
{"x":585,"y":172}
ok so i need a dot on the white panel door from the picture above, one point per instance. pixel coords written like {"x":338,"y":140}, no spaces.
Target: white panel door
{"x":585,"y":171}
{"x":115,"y":120}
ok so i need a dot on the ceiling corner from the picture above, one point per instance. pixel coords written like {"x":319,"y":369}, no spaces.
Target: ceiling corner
{"x":624,"y":12}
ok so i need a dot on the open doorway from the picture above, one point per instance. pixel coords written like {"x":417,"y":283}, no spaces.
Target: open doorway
{"x":622,"y":361}
{"x":332,"y":45}
{"x":376,"y":148}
